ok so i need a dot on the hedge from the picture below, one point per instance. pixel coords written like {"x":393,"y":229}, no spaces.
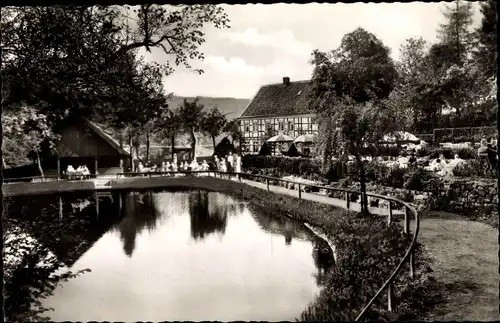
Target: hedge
{"x":448,"y":153}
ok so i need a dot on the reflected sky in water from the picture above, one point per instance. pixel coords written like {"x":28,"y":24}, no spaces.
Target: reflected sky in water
{"x":192,"y":256}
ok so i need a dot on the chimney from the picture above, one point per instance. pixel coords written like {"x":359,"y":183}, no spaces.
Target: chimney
{"x":286,"y":80}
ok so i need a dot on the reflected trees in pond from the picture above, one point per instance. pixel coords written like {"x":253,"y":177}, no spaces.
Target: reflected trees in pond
{"x":323,"y":259}
{"x":280,"y":224}
{"x":208,"y":214}
{"x":139,"y":213}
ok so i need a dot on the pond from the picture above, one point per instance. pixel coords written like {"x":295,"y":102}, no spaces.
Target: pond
{"x":193,"y":255}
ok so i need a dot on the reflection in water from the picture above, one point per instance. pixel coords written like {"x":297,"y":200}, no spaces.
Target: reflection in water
{"x":206,"y":218}
{"x":323,"y":259}
{"x":166,"y":273}
{"x":139,"y":214}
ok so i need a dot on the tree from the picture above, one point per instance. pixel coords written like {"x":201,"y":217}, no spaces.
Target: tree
{"x":79,"y":59}
{"x":486,"y":49}
{"x":233,"y":129}
{"x":360,"y":126}
{"x":169,"y":124}
{"x":29,"y":129}
{"x":456,"y":31}
{"x":192,"y":116}
{"x":224,"y":147}
{"x":214,"y":123}
{"x":265,"y":149}
{"x":349,"y":89}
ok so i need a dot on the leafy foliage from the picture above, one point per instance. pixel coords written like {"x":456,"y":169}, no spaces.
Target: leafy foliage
{"x":265,"y":150}
{"x":233,"y":129}
{"x":82,"y":61}
{"x":214,"y":123}
{"x":456,"y":32}
{"x":193,"y":117}
{"x":28,"y":129}
{"x":168,"y":125}
{"x":486,"y":51}
{"x":350,"y":88}
{"x":224,"y":147}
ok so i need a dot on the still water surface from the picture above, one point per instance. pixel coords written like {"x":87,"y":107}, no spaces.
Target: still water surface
{"x":192,"y":256}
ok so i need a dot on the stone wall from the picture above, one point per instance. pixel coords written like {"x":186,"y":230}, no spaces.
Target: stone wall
{"x":471,"y":194}
{"x":460,"y":195}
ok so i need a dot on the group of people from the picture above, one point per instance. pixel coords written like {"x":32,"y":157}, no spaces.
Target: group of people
{"x":230,"y":164}
{"x":81,"y":172}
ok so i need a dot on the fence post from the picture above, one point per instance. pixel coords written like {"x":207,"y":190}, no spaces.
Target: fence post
{"x":407,"y":222}
{"x":390,"y":296}
{"x":389,"y":218}
{"x":300,"y":192}
{"x":96,"y":204}
{"x":60,"y":207}
{"x":347,"y":200}
{"x":412,"y":264}
{"x":267,"y":180}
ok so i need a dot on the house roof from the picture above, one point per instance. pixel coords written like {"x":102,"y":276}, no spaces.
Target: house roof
{"x":280,"y":100}
{"x":108,"y":138}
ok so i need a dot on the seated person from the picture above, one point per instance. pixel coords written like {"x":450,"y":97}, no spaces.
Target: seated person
{"x":204,"y":165}
{"x":70,"y":170}
{"x":85,"y":170}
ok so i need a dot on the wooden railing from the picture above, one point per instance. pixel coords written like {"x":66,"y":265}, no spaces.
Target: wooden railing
{"x":408,"y":209}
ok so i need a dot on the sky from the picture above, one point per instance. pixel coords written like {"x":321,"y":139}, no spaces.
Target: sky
{"x":267,"y":42}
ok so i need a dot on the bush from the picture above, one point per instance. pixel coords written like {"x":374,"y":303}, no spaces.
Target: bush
{"x":284,"y":165}
{"x":473,"y":168}
{"x":416,"y":179}
{"x":265,"y":150}
{"x":448,"y":153}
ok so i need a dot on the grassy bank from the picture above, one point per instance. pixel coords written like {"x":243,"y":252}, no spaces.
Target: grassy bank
{"x":368,"y":251}
{"x":15,"y":189}
{"x":466,"y":261}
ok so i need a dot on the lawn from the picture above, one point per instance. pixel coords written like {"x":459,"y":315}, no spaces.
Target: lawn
{"x":465,"y":257}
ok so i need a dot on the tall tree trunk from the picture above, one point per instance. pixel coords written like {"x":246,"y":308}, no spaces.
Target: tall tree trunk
{"x":147,"y":146}
{"x":137,"y":145}
{"x":213,"y":141}
{"x":121,"y":138}
{"x":327,"y":152}
{"x":39,"y":164}
{"x":172,"y":138}
{"x":132,"y":166}
{"x":362,"y":182}
{"x":193,"y":144}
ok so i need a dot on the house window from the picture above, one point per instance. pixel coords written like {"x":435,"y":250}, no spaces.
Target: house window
{"x":290,"y":125}
{"x":315,"y":126}
{"x":281,"y":128}
{"x":304,"y":120}
{"x":247,"y":128}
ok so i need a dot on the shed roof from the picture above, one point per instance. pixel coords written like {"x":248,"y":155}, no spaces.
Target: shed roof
{"x":107,"y":137}
{"x":280,"y":100}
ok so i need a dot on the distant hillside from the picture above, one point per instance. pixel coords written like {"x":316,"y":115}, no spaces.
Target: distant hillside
{"x":230,"y":106}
